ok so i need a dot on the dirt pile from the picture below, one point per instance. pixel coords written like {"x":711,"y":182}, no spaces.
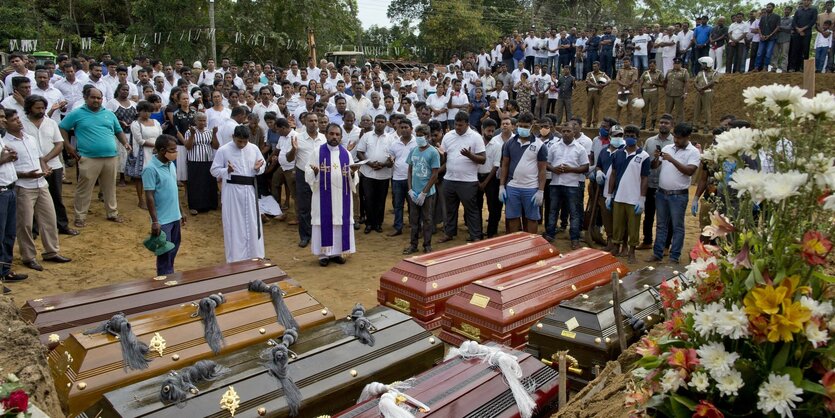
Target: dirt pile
{"x":27,"y":359}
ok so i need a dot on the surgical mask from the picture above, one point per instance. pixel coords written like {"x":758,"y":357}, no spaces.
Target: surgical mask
{"x":421,"y":141}
{"x":523,"y":132}
{"x":603,"y":132}
{"x":617,"y":142}
{"x":171,"y":156}
{"x":631,"y":141}
{"x":544,"y":132}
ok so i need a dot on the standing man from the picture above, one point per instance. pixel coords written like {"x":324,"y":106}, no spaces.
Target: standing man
{"x":373,"y":147}
{"x":302,"y":148}
{"x":237,"y":163}
{"x":8,"y":208}
{"x":424,"y":164}
{"x":18,"y":63}
{"x":823,"y":17}
{"x":640,"y":58}
{"x":651,"y":81}
{"x":653,"y":144}
{"x":718,"y":38}
{"x":33,"y":197}
{"x":399,"y":149}
{"x":769,"y":27}
{"x":607,"y":43}
{"x":627,"y":185}
{"x":669,"y":43}
{"x":464,"y":153}
{"x":596,"y":81}
{"x":568,"y":162}
{"x":95,"y":128}
{"x":627,"y":79}
{"x":704,"y":82}
{"x":701,"y":39}
{"x":675,"y":85}
{"x":780,"y":57}
{"x":522,"y":181}
{"x":678,"y":163}
{"x":159,"y":179}
{"x":802,"y":26}
{"x":737,"y":36}
{"x":48,"y":136}
{"x":565,"y":93}
{"x":331,"y":177}
{"x":488,"y":177}
{"x":54,"y":99}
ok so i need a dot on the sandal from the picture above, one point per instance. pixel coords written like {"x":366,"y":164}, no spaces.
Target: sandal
{"x":116,"y":219}
{"x":79,"y":223}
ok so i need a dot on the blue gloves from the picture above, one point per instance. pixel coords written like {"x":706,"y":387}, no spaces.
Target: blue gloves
{"x":537,"y":198}
{"x":639,"y":207}
{"x":502,"y":194}
{"x":694,"y":208}
{"x":609,"y":202}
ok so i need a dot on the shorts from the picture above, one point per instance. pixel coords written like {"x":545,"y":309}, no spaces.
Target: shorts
{"x":520,"y":203}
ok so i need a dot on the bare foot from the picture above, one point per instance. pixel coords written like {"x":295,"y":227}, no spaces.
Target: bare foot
{"x":142,"y":205}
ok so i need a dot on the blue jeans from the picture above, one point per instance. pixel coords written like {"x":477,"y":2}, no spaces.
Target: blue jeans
{"x":541,"y":61}
{"x":820,"y":58}
{"x":560,"y":196}
{"x":641,"y":62}
{"x":8,"y":229}
{"x":669,"y":208}
{"x":764,"y":51}
{"x":607,"y":63}
{"x":554,"y":64}
{"x":165,"y":262}
{"x":399,"y":193}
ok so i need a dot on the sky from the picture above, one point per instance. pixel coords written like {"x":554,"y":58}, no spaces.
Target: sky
{"x":373,"y":12}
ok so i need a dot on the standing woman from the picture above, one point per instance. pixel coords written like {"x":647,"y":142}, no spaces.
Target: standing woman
{"x":197,"y":99}
{"x":518,"y":50}
{"x":182,"y":119}
{"x":147,"y":91}
{"x":216,"y":114}
{"x":125,"y":111}
{"x":478,"y":107}
{"x":201,"y":146}
{"x":144,"y":132}
{"x":524,"y":89}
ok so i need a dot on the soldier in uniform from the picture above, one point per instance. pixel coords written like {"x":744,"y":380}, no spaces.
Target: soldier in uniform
{"x":627,"y":78}
{"x":651,"y":80}
{"x":596,"y":81}
{"x":704,"y":82}
{"x":675,"y":84}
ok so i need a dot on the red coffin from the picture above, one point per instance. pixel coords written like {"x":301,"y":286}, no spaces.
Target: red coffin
{"x":419,"y":286}
{"x":503,"y":307}
{"x":471,"y":389}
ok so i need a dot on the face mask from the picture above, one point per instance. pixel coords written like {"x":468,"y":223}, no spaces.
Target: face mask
{"x":523,"y":132}
{"x":544,"y":132}
{"x":171,"y":156}
{"x":617,"y":142}
{"x":603,"y":132}
{"x":631,"y":142}
{"x":421,"y":141}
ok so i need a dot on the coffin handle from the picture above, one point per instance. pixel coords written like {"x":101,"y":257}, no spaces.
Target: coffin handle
{"x":574,"y":366}
{"x":397,"y":307}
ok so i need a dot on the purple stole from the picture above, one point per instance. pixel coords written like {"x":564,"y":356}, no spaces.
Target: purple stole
{"x":325,"y":201}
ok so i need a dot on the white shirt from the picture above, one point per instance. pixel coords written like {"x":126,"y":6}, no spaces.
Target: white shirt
{"x":206,"y":77}
{"x":285,"y":145}
{"x":484,"y":61}
{"x":572,"y":155}
{"x":313,"y":72}
{"x":29,"y":74}
{"x":542,"y":45}
{"x":47,"y":135}
{"x":225,"y":131}
{"x":493,"y":151}
{"x":52,"y":96}
{"x":553,"y":44}
{"x":497,"y":53}
{"x":216,"y":117}
{"x":641,"y":43}
{"x":72,"y":91}
{"x":8,"y":175}
{"x":103,"y":87}
{"x":672,"y":179}
{"x":669,"y":51}
{"x":459,"y":167}
{"x":260,"y":109}
{"x":629,"y":188}
{"x":516,"y":75}
{"x":823,"y":42}
{"x":28,"y":159}
{"x":10,"y":103}
{"x":501,"y":97}
{"x":376,"y":149}
{"x":737,"y":31}
{"x":438,"y":102}
{"x":306,"y":146}
{"x":349,"y":138}
{"x":458,"y":99}
{"x":529,"y":52}
{"x":683,"y":39}
{"x":358,"y":106}
{"x":400,"y":152}
{"x":586,"y":142}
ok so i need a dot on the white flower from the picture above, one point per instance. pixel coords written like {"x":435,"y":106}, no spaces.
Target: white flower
{"x":687,"y":295}
{"x":749,"y":181}
{"x":818,"y":309}
{"x":779,"y":394}
{"x":815,"y":335}
{"x":732,"y":323}
{"x":12,"y":378}
{"x":705,"y":319}
{"x":783,"y":185}
{"x":734,"y":142}
{"x":716,"y":360}
{"x":782,"y":95}
{"x":822,"y":106}
{"x":688,"y":308}
{"x":671,"y":381}
{"x":729,"y":383}
{"x":823,"y":170}
{"x":20,"y":415}
{"x":697,"y":269}
{"x":753,"y":95}
{"x":699,"y":381}
{"x":640,"y":373}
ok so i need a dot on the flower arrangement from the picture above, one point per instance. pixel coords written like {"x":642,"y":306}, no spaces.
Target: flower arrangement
{"x":14,"y":402}
{"x":748,"y":330}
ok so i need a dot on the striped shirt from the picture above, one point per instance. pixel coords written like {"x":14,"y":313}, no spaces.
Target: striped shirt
{"x":202,"y":150}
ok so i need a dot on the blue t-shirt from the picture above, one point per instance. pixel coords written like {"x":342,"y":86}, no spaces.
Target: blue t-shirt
{"x":162,"y":179}
{"x":701,"y":34}
{"x":422,"y":163}
{"x":159,"y":116}
{"x":523,"y":161}
{"x":607,"y":49}
{"x":593,"y":44}
{"x":95,"y":132}
{"x":620,"y":161}
{"x":604,"y":161}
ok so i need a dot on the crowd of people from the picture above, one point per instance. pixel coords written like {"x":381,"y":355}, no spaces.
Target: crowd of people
{"x":333,"y":141}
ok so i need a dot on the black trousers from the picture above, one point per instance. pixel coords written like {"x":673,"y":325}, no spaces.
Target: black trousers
{"x":799,"y":50}
{"x":494,"y":205}
{"x":56,"y":186}
{"x":375,"y":201}
{"x":304,"y":201}
{"x":649,"y":219}
{"x":457,"y":193}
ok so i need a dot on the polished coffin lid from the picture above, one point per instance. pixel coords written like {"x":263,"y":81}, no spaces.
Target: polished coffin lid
{"x":503,"y":306}
{"x":470,"y":388}
{"x":322,"y":370}
{"x":585,"y":325}
{"x":71,"y":312}
{"x":86,"y":366}
{"x":419,"y":285}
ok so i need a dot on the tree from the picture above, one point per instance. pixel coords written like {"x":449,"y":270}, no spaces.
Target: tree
{"x":455,"y":27}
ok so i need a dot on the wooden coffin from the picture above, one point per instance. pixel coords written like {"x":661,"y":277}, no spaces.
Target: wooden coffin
{"x":331,"y":369}
{"x":502,"y":307}
{"x":86,"y":366}
{"x":419,"y":286}
{"x":585,"y":325}
{"x":472,"y":389}
{"x":60,"y":315}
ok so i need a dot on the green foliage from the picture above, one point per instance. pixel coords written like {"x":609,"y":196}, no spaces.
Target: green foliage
{"x":454,"y":26}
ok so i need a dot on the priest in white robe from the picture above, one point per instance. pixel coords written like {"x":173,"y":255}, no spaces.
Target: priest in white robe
{"x":333,"y":181}
{"x":237,"y":163}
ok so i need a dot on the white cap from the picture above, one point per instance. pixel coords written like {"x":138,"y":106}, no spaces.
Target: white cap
{"x":706,"y":61}
{"x":197,"y":64}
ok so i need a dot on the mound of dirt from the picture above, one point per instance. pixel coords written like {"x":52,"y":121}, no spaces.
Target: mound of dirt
{"x":27,"y":359}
